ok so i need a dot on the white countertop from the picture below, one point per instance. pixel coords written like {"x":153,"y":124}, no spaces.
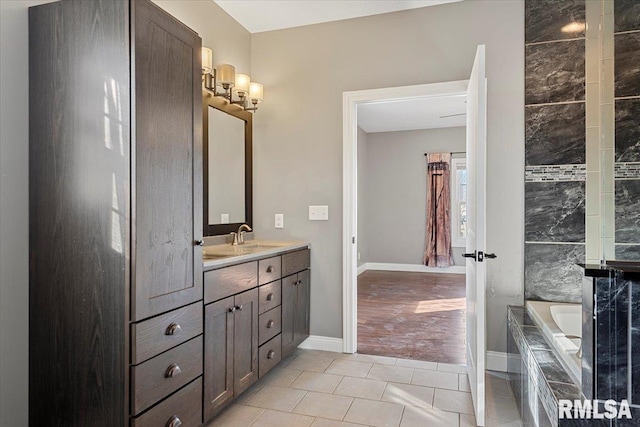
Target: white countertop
{"x":214,"y":256}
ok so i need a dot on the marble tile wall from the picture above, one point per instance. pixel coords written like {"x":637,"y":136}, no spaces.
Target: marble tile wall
{"x":626,"y":16}
{"x":555,"y":148}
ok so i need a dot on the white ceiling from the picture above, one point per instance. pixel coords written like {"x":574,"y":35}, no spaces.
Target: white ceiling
{"x":266,"y":15}
{"x":413,"y":114}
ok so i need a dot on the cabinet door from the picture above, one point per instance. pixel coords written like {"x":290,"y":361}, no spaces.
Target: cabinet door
{"x":301,"y":315}
{"x":289,"y":285}
{"x":245,"y":345}
{"x":218,"y":356}
{"x":167,"y":162}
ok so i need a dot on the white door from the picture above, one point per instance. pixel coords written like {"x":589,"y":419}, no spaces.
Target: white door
{"x":476,"y":231}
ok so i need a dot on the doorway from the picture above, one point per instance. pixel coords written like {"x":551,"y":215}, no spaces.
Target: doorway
{"x":352,"y":102}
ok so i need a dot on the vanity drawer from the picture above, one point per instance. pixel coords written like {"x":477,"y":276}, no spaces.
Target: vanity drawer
{"x":270,"y":296}
{"x":185,"y":405}
{"x":164,"y":374}
{"x":229,"y":281}
{"x":161,"y":333}
{"x":269,"y":325}
{"x":269,"y":270}
{"x":295,"y":261}
{"x":269,"y":355}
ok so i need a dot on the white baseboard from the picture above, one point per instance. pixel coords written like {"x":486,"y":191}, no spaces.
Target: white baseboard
{"x":496,"y":361}
{"x":454,"y":269}
{"x":317,"y":342}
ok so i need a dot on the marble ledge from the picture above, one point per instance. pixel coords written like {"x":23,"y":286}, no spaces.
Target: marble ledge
{"x":628,"y":270}
{"x":216,"y":256}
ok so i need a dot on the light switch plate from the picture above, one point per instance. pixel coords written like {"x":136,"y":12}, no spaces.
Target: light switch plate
{"x":224,"y":218}
{"x":318,"y":213}
{"x":279,"y":221}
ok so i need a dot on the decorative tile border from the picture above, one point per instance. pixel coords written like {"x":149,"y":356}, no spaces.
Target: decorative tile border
{"x":544,"y":173}
{"x":627,"y":170}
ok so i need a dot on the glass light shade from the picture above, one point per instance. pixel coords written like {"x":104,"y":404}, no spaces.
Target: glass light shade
{"x":256,"y":92}
{"x":242,"y":83}
{"x":226,"y":74}
{"x":207,"y":60}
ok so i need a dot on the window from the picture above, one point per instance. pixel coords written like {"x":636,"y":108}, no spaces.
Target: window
{"x":458,"y":202}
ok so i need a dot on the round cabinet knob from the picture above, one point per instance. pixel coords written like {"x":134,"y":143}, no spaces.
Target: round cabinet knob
{"x":174,"y":422}
{"x":232,"y":309}
{"x":271,"y":354}
{"x":172,"y":370}
{"x":270,"y":324}
{"x":269,"y":297}
{"x":239,"y":307}
{"x":270,"y":269}
{"x":172,"y":329}
{"x":199,"y":242}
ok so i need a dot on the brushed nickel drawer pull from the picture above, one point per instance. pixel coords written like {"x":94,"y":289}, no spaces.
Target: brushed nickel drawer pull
{"x":172,"y":370}
{"x":172,"y":329}
{"x":174,"y":422}
{"x":270,"y":269}
{"x":271,"y":354}
{"x":270,"y":297}
{"x":270,"y":324}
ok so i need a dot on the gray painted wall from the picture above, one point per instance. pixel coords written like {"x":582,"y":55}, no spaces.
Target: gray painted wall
{"x":298,"y":130}
{"x":230,"y":43}
{"x":396,"y":192}
{"x":363,"y":185}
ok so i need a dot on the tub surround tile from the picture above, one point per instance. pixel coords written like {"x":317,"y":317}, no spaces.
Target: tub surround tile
{"x":627,"y":211}
{"x":555,"y":212}
{"x":627,"y":130}
{"x":628,"y":252}
{"x":551,"y":273}
{"x":627,"y":64}
{"x":555,"y":134}
{"x":545,"y":19}
{"x":635,"y":341}
{"x":626,"y":15}
{"x":612,"y":329}
{"x":627,"y":170}
{"x":534,"y":339}
{"x":551,"y":368}
{"x":548,"y":173}
{"x":555,"y":72}
{"x":521,"y":316}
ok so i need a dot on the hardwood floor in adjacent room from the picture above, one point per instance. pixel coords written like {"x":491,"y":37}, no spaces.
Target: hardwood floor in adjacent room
{"x":417,"y":316}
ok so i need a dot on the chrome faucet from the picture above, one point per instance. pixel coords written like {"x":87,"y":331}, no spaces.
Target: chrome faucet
{"x":238,"y":238}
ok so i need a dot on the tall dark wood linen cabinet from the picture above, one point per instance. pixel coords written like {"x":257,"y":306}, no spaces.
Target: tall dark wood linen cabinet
{"x":115,"y":181}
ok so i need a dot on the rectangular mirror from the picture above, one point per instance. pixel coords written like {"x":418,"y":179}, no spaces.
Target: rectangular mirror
{"x":227,"y":144}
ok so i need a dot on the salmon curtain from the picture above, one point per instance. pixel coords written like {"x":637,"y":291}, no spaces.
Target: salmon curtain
{"x":438,"y":240}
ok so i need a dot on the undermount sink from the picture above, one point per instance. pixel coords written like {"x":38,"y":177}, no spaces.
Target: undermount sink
{"x":216,"y":252}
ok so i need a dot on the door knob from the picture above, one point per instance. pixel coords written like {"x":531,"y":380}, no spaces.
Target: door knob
{"x":471,"y":255}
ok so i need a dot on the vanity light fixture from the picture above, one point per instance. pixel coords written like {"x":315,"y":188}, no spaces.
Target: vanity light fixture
{"x":238,"y":88}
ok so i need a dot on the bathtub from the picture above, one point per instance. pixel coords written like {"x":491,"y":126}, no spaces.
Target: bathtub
{"x":556,"y":321}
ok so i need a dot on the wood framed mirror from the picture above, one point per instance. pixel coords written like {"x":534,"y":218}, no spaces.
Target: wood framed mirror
{"x":228,"y":166}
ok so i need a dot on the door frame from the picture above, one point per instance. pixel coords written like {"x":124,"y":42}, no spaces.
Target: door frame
{"x":350,"y":102}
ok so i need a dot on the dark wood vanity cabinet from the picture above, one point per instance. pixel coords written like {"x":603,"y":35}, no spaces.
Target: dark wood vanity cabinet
{"x":115,"y":188}
{"x":296,"y":292}
{"x":231,"y":349}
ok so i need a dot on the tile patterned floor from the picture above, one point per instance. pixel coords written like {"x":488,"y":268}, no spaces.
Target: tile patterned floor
{"x":322,"y":389}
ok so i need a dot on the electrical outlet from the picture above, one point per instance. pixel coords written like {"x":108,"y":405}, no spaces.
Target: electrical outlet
{"x":224,"y":218}
{"x":279,"y":221}
{"x":318,"y":213}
